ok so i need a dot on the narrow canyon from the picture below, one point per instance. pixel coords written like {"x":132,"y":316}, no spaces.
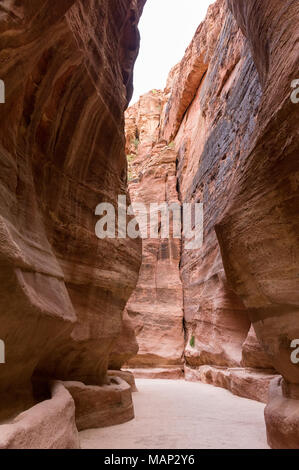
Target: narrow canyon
{"x":82,"y":316}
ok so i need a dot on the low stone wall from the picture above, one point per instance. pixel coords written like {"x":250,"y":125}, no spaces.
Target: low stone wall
{"x":98,"y":407}
{"x":47,"y":425}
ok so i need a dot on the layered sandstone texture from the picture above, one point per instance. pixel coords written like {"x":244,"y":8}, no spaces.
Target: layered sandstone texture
{"x":47,"y":425}
{"x":97,"y":407}
{"x":228,"y":117}
{"x":67,"y":68}
{"x":236,"y":136}
{"x":203,"y":119}
{"x":156,"y":306}
{"x":259,"y":233}
{"x":210,"y":115}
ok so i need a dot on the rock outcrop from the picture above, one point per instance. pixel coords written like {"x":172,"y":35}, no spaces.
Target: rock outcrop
{"x":204,"y":119}
{"x":259,"y":233}
{"x":282,"y":416}
{"x":224,"y":133}
{"x":67,"y":67}
{"x":228,"y":116}
{"x":97,"y":407}
{"x":47,"y":425}
{"x":156,"y":306}
{"x":209,"y":143}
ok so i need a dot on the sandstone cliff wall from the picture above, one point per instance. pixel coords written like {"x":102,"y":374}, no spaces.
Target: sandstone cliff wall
{"x":67,"y":67}
{"x":227,"y":114}
{"x":258,"y":234}
{"x":156,"y":306}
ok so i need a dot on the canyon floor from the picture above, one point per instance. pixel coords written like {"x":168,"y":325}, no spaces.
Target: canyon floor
{"x":174,"y":414}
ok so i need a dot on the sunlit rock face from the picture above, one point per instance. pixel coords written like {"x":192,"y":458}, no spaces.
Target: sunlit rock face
{"x":156,"y":306}
{"x":216,"y":115}
{"x":210,"y":114}
{"x":67,"y":67}
{"x":193,"y":119}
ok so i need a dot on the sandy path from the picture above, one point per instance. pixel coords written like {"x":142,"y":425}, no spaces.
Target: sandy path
{"x":184,"y":415}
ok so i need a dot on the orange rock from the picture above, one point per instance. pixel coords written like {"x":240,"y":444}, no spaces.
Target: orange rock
{"x":156,"y":306}
{"x":62,"y":291}
{"x":169,"y":373}
{"x":228,"y":116}
{"x":282,"y":418}
{"x":47,"y":425}
{"x":97,"y":407}
{"x":244,"y":382}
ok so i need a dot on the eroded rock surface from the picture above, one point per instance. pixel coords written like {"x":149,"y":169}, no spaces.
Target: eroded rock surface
{"x":227,"y":114}
{"x":205,"y":119}
{"x":213,"y":133}
{"x":47,"y":425}
{"x":224,"y":132}
{"x":259,"y":233}
{"x":282,"y":416}
{"x":156,"y":306}
{"x":67,"y":67}
{"x":98,"y":407}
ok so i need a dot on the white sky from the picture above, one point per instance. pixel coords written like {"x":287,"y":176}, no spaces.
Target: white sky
{"x":166,"y":28}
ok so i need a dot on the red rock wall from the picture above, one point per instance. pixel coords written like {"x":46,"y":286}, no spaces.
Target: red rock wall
{"x":67,"y":67}
{"x":215,"y":128}
{"x":207,"y":115}
{"x":230,"y":120}
{"x":156,"y":306}
{"x":259,"y":233}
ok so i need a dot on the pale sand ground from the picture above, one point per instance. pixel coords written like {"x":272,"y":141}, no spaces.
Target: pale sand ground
{"x":183,"y":415}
